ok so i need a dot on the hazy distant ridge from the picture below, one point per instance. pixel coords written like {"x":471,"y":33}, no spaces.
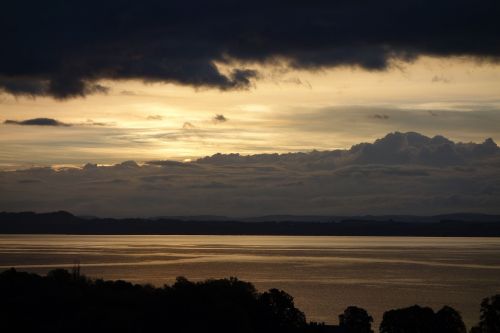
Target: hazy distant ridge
{"x":66,"y":223}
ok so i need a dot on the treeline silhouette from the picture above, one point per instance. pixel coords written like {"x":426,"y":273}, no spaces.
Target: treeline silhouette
{"x":65,"y":223}
{"x":64,"y":301}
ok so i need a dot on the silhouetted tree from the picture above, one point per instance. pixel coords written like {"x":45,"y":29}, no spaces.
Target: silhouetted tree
{"x":64,"y":301}
{"x":60,"y":275}
{"x":414,"y":319}
{"x":280,"y":312}
{"x":448,"y":320}
{"x":355,"y":320}
{"x":490,"y":316}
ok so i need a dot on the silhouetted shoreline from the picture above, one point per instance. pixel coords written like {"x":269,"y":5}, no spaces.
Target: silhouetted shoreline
{"x":65,"y":301}
{"x":456,"y":225}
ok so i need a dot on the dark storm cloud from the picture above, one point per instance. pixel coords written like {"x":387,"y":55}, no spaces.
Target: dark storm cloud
{"x":62,"y":49}
{"x":36,"y":122}
{"x":59,"y":88}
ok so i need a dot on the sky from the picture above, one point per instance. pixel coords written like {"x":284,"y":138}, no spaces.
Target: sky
{"x":114,"y":81}
{"x":285,"y":112}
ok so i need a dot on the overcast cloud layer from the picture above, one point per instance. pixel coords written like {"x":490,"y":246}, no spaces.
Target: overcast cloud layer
{"x":62,"y":49}
{"x":399,"y":174}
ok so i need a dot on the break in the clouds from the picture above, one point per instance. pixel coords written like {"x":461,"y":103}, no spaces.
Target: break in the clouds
{"x":63,"y":49}
{"x":107,"y":141}
{"x":402,"y":173}
{"x":36,"y":122}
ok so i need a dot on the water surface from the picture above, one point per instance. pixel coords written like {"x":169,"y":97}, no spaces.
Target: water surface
{"x":324,"y":274}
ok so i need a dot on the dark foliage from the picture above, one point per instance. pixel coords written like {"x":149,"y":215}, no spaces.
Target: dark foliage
{"x":65,"y":302}
{"x":356,"y":320}
{"x":448,"y":320}
{"x":417,"y":319}
{"x":490,"y":316}
{"x":280,"y":311}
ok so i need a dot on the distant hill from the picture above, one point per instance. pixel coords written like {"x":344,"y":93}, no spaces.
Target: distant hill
{"x":61,"y":222}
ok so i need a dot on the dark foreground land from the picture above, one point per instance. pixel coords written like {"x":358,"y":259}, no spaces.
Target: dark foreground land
{"x":66,"y":301}
{"x":465,"y":225}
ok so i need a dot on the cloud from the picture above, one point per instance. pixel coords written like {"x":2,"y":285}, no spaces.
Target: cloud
{"x":36,"y":122}
{"x":155,"y":117}
{"x":381,"y":116}
{"x":127,"y":93}
{"x":188,"y":125}
{"x":394,"y":149}
{"x":219,"y":118}
{"x":90,"y":122}
{"x":55,"y":123}
{"x":167,"y":163}
{"x":60,"y":88}
{"x":297,"y":81}
{"x":442,"y":79}
{"x":388,"y":176}
{"x":63,"y":49}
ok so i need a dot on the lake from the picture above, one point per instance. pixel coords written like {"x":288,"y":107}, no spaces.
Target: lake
{"x":324,"y":274}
